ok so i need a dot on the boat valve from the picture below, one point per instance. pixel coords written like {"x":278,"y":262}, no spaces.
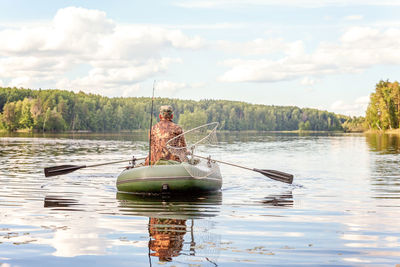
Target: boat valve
{"x":165,"y":188}
{"x":192,"y":155}
{"x":132,"y":163}
{"x":209,"y":161}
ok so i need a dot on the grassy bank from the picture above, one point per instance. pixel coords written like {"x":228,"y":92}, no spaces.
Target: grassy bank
{"x":27,"y":130}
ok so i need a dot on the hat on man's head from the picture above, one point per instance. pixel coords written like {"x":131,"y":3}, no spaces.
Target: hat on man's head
{"x":166,"y":111}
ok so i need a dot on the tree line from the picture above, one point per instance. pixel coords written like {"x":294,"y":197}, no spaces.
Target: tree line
{"x":60,"y":110}
{"x":383,"y":111}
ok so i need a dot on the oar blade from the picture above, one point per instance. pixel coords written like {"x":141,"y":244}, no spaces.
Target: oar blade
{"x":277,"y":175}
{"x":60,"y":170}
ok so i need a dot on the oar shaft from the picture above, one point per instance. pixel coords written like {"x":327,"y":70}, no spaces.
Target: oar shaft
{"x":227,"y":163}
{"x":64,"y":169}
{"x":275,"y":175}
{"x":113,"y":162}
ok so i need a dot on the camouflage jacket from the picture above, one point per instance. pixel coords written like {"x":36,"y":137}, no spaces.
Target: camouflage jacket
{"x":161,"y":133}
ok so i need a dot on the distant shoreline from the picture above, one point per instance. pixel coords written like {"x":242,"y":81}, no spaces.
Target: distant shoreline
{"x":60,"y":110}
{"x":143,"y":130}
{"x":29,"y":131}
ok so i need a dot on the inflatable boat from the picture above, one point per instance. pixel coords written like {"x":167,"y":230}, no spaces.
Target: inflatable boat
{"x":174,"y":177}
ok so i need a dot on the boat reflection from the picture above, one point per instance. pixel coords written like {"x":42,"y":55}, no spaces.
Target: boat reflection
{"x":280,"y":200}
{"x":172,"y":206}
{"x":171,"y":222}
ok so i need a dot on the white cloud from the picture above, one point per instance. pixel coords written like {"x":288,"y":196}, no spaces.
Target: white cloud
{"x":358,"y":49}
{"x":354,"y":17}
{"x":297,"y":3}
{"x":118,"y":56}
{"x":20,"y":82}
{"x":131,"y":91}
{"x":261,"y":47}
{"x":307,"y":81}
{"x":198,"y":4}
{"x":167,"y":88}
{"x":170,"y":87}
{"x":356,"y":108}
{"x":72,"y":31}
{"x":110,"y":74}
{"x":215,"y":26}
{"x":254,"y":71}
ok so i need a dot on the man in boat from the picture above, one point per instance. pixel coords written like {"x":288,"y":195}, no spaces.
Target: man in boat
{"x":161,"y":133}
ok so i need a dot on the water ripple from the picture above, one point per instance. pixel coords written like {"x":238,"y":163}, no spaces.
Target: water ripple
{"x":341,"y":210}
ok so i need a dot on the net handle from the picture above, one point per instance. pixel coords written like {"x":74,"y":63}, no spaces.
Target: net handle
{"x":194,"y":129}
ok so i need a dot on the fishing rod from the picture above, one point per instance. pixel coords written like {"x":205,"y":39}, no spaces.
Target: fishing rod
{"x":151,"y":121}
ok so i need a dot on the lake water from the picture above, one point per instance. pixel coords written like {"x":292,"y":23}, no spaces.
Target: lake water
{"x":342,"y":209}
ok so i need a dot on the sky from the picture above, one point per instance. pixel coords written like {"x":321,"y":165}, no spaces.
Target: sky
{"x":307,"y":53}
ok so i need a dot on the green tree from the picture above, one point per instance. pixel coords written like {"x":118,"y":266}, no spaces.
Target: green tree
{"x":10,"y":117}
{"x":26,"y":120}
{"x":37,"y":113}
{"x":56,"y":110}
{"x":383,"y":110}
{"x":54,"y":121}
{"x":189,"y":120}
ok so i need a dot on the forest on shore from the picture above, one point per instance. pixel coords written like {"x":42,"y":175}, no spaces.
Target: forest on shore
{"x":61,"y":110}
{"x":383,"y":111}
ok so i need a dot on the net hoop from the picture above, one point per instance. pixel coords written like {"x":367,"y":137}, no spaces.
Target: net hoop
{"x":213,"y":130}
{"x":196,"y":167}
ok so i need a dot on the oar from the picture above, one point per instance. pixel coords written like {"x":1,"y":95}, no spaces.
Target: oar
{"x":275,"y":175}
{"x":64,"y":169}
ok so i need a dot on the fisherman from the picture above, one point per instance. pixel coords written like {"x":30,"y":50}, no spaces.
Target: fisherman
{"x":161,"y":133}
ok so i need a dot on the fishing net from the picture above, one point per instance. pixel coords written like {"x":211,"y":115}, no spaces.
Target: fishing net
{"x":199,"y":139}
